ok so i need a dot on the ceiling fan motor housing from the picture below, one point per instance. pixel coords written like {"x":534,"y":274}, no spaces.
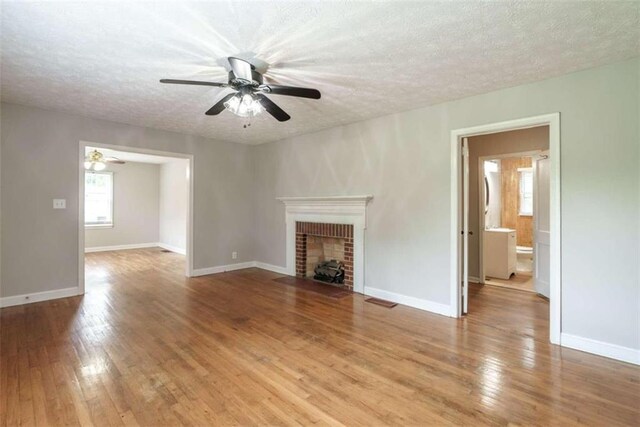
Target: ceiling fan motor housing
{"x":255,"y":76}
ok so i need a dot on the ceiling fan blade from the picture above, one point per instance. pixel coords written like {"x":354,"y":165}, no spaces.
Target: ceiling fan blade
{"x":219,"y":106}
{"x":241,"y":68}
{"x":114,"y":160}
{"x":193,"y":82}
{"x":273,"y":109}
{"x":301,"y":92}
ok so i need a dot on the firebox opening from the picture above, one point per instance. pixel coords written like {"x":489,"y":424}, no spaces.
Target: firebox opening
{"x":317,"y":245}
{"x":325,"y":259}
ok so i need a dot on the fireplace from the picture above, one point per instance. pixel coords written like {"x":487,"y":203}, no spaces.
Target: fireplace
{"x":326,"y":217}
{"x":320,"y":246}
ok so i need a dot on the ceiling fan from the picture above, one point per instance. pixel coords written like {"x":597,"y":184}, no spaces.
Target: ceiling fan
{"x":96,"y":161}
{"x":248,"y":98}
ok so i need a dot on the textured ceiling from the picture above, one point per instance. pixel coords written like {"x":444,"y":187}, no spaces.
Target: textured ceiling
{"x":105,"y":59}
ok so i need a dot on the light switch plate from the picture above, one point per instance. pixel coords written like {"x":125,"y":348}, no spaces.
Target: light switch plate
{"x":59,"y":203}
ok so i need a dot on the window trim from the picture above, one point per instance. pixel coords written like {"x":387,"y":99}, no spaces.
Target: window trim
{"x":521,"y":172}
{"x":99,"y":225}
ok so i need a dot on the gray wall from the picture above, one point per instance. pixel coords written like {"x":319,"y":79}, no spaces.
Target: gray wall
{"x":136,"y":197}
{"x":174,"y":197}
{"x":404,"y":161}
{"x":40,"y":161}
{"x":516,"y":141}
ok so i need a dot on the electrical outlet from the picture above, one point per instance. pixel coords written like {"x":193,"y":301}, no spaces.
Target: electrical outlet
{"x":234,"y":255}
{"x":59,"y":203}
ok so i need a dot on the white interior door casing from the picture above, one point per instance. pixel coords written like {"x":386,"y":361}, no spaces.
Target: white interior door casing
{"x":465,"y":225}
{"x":542,"y":224}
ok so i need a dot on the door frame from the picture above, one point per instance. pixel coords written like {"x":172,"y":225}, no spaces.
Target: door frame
{"x":464,"y":256}
{"x":553,"y":121}
{"x":481,"y":197}
{"x":81,"y":227}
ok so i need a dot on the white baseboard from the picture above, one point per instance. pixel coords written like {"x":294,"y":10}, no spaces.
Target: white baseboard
{"x":222,"y":268}
{"x":38,"y":297}
{"x":422,"y":304}
{"x":121,"y":247}
{"x":613,"y":351}
{"x":474,"y":279}
{"x":239,"y":266}
{"x":172,"y":248}
{"x":271,"y":267}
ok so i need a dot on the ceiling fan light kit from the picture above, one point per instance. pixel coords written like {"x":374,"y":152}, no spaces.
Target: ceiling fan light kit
{"x":248,"y":100}
{"x":95,"y":161}
{"x":244,"y":105}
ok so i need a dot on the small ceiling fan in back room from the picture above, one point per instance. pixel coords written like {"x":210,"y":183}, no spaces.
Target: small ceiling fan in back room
{"x":248,"y":97}
{"x":96,"y":161}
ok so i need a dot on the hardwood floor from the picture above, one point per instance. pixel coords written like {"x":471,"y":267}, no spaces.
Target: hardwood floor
{"x":146,"y":346}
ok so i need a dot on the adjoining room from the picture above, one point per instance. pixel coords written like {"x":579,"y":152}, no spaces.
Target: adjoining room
{"x":502,"y":177}
{"x":135,"y":208}
{"x":508,"y":196}
{"x":506,"y":209}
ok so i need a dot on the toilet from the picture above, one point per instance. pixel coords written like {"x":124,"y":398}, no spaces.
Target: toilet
{"x":525,"y":258}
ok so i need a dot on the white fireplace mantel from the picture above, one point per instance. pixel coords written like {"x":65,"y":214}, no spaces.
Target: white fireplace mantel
{"x":326,"y":203}
{"x":334,"y":210}
{"x":326,"y":199}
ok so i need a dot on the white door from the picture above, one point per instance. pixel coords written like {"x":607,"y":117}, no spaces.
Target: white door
{"x":541,"y":223}
{"x":465,"y":225}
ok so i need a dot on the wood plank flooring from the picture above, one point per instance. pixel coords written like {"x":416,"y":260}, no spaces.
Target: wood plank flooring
{"x":146,"y":346}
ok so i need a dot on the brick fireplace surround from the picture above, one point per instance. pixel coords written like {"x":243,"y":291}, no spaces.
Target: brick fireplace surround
{"x":340,"y":231}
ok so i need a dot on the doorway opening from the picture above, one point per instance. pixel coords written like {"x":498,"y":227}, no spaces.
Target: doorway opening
{"x":134,"y":205}
{"x":478,"y":222}
{"x":507,"y":215}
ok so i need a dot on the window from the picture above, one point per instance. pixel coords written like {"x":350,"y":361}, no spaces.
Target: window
{"x":526,"y":192}
{"x":98,"y":199}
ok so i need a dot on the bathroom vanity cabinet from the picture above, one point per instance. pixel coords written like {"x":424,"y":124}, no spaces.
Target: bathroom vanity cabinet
{"x":499,"y":253}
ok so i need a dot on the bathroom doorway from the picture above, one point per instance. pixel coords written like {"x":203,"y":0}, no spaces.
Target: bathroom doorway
{"x":506,"y":220}
{"x":494,"y":140}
